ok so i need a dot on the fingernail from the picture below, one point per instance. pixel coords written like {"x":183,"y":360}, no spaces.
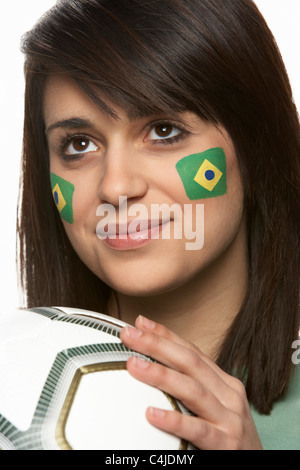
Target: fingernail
{"x":157,"y":412}
{"x":140,"y":363}
{"x":133,"y":332}
{"x":147,"y":323}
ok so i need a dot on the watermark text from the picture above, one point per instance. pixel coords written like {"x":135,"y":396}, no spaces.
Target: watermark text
{"x":136,"y":221}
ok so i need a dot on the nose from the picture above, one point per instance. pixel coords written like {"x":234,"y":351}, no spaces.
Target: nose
{"x":122,"y":175}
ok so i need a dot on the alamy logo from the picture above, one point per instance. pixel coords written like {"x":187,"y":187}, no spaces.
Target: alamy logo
{"x":296,"y":354}
{"x":137,"y":221}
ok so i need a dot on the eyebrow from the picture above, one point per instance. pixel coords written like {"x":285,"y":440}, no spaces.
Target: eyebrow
{"x":78,"y":123}
{"x":72,"y":123}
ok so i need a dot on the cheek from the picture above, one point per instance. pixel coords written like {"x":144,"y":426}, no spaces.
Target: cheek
{"x":85,"y":198}
{"x":203,"y":174}
{"x":83,"y":203}
{"x":224,"y":215}
{"x":62,"y":192}
{"x":84,"y":206}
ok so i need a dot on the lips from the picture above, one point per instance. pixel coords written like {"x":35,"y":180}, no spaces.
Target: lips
{"x":133,"y":228}
{"x":133,"y":234}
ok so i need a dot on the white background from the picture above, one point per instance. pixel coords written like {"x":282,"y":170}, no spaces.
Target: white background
{"x":283,"y":17}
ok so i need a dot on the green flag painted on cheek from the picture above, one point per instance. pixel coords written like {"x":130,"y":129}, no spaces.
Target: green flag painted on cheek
{"x":204,"y":174}
{"x":62,"y":192}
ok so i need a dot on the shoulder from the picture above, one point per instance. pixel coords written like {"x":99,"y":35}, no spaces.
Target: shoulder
{"x":280,"y":430}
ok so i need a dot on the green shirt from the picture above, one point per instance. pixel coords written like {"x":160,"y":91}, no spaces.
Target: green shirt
{"x":281,"y":429}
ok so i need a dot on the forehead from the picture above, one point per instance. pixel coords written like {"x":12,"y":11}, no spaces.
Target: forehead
{"x":64,"y":99}
{"x":62,"y":96}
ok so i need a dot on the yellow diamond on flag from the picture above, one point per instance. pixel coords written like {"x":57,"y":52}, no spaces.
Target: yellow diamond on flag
{"x":58,"y":198}
{"x":208,"y":175}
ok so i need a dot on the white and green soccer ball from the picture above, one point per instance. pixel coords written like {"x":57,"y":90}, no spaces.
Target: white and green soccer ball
{"x":64,"y":385}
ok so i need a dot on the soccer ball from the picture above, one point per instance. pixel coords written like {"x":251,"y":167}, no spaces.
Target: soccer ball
{"x":64,"y":385}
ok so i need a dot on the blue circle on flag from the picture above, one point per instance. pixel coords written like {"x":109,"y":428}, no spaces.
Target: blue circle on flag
{"x":209,"y":175}
{"x":56,"y":197}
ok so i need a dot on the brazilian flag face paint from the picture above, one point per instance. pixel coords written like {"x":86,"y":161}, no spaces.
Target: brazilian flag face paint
{"x":204,"y":174}
{"x":62,"y":192}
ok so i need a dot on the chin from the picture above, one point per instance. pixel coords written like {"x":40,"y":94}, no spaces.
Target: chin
{"x":143,"y":286}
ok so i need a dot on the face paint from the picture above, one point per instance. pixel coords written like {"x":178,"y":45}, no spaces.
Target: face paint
{"x":204,"y":174}
{"x":62,"y":192}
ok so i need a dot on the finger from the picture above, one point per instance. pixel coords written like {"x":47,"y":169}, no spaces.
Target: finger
{"x":198,"y":432}
{"x":191,"y":393}
{"x":178,"y":358}
{"x":144,"y":324}
{"x":157,"y":347}
{"x":148,"y":326}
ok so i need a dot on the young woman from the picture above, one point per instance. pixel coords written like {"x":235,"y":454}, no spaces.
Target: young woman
{"x":184,"y":104}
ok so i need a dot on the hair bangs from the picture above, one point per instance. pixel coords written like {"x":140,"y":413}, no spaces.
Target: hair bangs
{"x":110,"y":51}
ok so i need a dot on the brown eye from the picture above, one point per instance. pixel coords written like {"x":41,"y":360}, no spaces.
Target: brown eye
{"x":164,"y":132}
{"x":79,"y":145}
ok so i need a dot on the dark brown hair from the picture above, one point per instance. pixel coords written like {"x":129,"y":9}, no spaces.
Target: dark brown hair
{"x":216,"y":58}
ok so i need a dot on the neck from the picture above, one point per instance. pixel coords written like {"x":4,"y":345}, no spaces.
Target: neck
{"x":202,"y":310}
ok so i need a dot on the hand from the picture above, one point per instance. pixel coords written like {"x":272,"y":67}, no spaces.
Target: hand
{"x":222,"y":417}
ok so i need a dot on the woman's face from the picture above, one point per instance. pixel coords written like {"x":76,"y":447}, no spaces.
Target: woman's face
{"x":135,"y":158}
